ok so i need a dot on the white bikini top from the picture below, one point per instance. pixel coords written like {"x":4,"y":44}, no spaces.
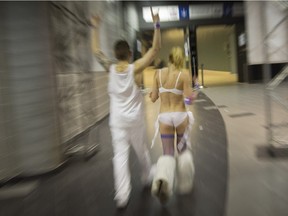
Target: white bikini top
{"x":174,"y":90}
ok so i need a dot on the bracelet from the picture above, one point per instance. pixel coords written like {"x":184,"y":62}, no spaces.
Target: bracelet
{"x":157,"y":25}
{"x":187,"y":100}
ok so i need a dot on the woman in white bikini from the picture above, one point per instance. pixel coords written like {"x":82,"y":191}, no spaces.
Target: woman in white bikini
{"x":172,"y":85}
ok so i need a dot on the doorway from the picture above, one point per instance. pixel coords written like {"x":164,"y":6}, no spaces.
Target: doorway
{"x":217,"y":55}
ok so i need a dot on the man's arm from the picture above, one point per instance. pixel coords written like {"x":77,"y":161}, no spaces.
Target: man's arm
{"x":147,"y":59}
{"x":154,"y":94}
{"x":102,"y":59}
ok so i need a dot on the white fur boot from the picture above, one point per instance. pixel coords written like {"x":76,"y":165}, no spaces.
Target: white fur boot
{"x":163,"y":182}
{"x":185,"y":172}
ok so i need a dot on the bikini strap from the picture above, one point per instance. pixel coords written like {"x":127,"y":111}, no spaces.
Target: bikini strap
{"x":177,"y":79}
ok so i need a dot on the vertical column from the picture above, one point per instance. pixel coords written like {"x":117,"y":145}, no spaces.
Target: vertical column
{"x":242,"y":69}
{"x":193,"y":52}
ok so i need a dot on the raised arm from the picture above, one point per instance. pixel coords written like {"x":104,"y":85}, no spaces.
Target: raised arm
{"x":148,"y":58}
{"x":154,"y":94}
{"x":102,"y":59}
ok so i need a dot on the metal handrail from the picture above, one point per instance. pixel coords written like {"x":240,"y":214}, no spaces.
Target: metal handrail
{"x":278,"y":79}
{"x":276,"y":145}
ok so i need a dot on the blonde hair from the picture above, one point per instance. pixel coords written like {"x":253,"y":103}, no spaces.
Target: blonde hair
{"x":176,"y":57}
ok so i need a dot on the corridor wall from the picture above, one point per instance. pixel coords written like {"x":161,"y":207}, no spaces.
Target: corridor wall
{"x":50,"y":89}
{"x":81,"y":81}
{"x":75,"y":82}
{"x":29,"y":133}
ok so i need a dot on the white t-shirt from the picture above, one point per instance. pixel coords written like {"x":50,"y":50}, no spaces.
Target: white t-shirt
{"x":126,"y":99}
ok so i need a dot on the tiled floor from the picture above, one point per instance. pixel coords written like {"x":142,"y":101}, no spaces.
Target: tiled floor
{"x":228,"y":134}
{"x":258,"y":186}
{"x":86,"y":187}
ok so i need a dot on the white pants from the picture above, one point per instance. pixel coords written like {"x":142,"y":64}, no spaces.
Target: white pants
{"x":122,"y":138}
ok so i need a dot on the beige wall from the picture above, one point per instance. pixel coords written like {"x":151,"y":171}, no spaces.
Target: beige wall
{"x":170,"y":38}
{"x":213,"y":47}
{"x":233,"y":50}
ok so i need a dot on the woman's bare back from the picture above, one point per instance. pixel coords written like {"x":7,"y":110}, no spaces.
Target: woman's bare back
{"x":171,"y":102}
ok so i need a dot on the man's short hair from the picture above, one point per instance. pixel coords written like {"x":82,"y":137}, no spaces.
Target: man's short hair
{"x":122,"y":50}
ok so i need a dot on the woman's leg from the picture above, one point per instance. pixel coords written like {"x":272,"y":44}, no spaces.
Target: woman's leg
{"x":167,"y":138}
{"x":180,"y":129}
{"x":185,"y":165}
{"x":163,"y":182}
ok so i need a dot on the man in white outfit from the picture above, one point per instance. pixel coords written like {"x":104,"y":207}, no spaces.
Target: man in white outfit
{"x":127,"y":114}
